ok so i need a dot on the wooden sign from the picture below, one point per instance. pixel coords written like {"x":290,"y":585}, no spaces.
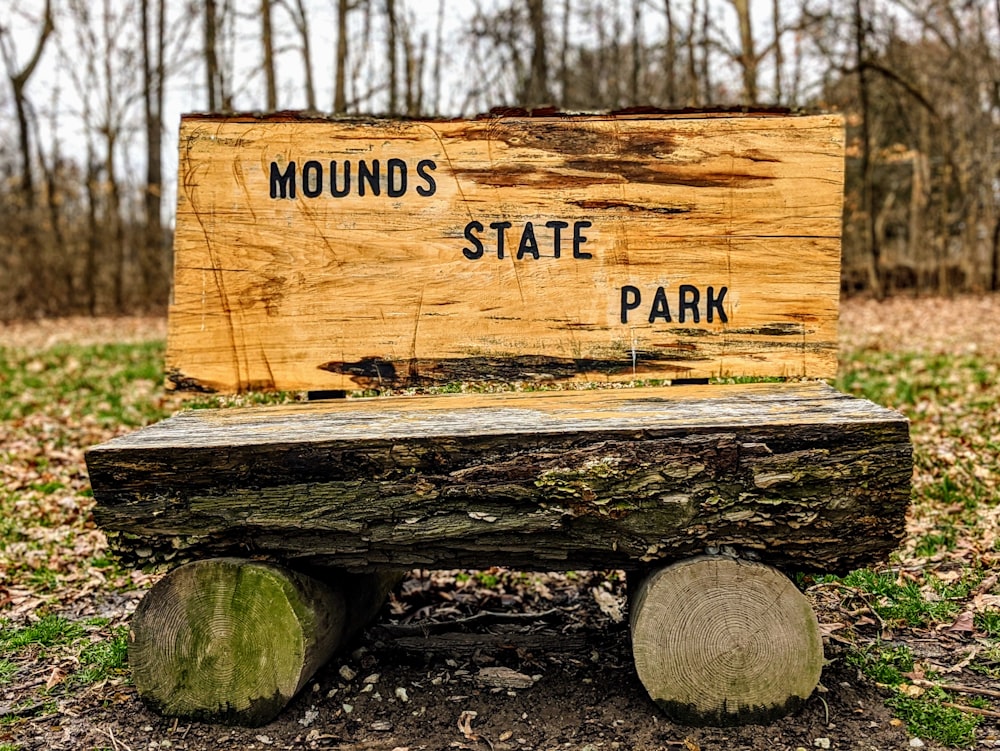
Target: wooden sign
{"x":338,"y":254}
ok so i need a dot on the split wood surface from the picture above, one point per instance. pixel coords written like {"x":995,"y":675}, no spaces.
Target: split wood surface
{"x":718,"y":641}
{"x":799,"y":474}
{"x":658,"y":247}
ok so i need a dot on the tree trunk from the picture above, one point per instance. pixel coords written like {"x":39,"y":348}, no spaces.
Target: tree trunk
{"x":390,"y":19}
{"x":301,"y":21}
{"x":809,"y":478}
{"x":438,"y":55}
{"x":537,"y":91}
{"x":721,"y":642}
{"x":779,"y":57}
{"x":670,"y":57}
{"x":636,"y":67}
{"x":747,"y":57}
{"x":340,"y":64}
{"x":211,"y":56}
{"x":267,"y":40}
{"x":231,"y":640}
{"x":19,"y":80}
{"x":152,"y":95}
{"x":873,"y":254}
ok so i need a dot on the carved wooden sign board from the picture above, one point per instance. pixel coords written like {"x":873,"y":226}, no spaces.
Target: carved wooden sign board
{"x":340,"y":254}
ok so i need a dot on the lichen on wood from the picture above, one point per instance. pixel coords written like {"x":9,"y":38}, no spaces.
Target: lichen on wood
{"x":797,"y":474}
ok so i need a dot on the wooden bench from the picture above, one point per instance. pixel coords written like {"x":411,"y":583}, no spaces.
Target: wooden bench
{"x":581,"y":252}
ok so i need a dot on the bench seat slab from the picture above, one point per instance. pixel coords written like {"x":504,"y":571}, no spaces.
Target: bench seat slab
{"x":797,"y":474}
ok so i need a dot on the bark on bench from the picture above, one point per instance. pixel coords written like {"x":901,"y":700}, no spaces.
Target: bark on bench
{"x":799,"y":474}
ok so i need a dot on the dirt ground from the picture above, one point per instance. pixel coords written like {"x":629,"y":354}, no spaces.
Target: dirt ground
{"x":425,"y":675}
{"x":583,"y":691}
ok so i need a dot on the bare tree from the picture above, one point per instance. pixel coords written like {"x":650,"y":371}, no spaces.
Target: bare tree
{"x":438,"y":55}
{"x":267,"y":42}
{"x":153,"y":79}
{"x":392,"y":26}
{"x":212,"y":71}
{"x":779,"y":57}
{"x":297,"y":12}
{"x":747,"y":56}
{"x":340,"y":62}
{"x":536,"y":90}
{"x":636,"y":53}
{"x":670,"y":56}
{"x":18,"y":81}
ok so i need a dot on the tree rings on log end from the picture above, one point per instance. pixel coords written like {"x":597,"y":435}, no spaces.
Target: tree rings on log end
{"x":230,"y":640}
{"x":718,"y":641}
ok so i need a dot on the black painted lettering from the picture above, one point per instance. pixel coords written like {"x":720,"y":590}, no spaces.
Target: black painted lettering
{"x":395,"y":178}
{"x":689,"y":298}
{"x":631,"y":297}
{"x":283,"y":183}
{"x":476,"y":251}
{"x":423,"y":167}
{"x":334,"y":190}
{"x":579,"y":239}
{"x":312,"y":178}
{"x":372,"y":175}
{"x":528,"y":243}
{"x":557,"y":227}
{"x":500,"y":227}
{"x":660,"y":307}
{"x":715,"y":304}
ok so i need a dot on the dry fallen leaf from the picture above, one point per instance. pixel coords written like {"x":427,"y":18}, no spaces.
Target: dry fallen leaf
{"x":964,"y":623}
{"x":609,"y":604}
{"x":56,"y":677}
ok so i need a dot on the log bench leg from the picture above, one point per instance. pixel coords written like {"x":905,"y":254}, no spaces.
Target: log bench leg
{"x":720,"y":641}
{"x":231,"y":640}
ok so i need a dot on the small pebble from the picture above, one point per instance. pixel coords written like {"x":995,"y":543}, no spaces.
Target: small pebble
{"x":821,"y":742}
{"x":347,"y":673}
{"x":402,"y":695}
{"x":916,"y":743}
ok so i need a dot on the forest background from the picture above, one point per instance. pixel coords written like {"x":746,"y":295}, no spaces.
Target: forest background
{"x":94,"y":89}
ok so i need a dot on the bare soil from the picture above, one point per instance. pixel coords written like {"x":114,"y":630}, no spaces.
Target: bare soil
{"x":397,"y":688}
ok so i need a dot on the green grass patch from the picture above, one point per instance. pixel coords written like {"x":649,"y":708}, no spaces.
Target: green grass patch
{"x":903,"y":603}
{"x":925,"y":715}
{"x":883,"y":663}
{"x":104,"y":659}
{"x":988,"y":622}
{"x":94,"y":380}
{"x":49,"y":631}
{"x":8,"y":670}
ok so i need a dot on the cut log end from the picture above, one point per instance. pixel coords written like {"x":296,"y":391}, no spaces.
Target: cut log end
{"x":725,"y":642}
{"x":229,"y":640}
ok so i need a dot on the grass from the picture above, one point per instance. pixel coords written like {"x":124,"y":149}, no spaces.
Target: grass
{"x":953,"y":402}
{"x":104,"y":659}
{"x":99,"y":381}
{"x":923,"y":711}
{"x":49,"y":631}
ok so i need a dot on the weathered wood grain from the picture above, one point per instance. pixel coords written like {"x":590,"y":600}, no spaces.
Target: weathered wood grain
{"x":798,"y":474}
{"x":232,"y":640}
{"x":323,"y":292}
{"x":718,"y":641}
